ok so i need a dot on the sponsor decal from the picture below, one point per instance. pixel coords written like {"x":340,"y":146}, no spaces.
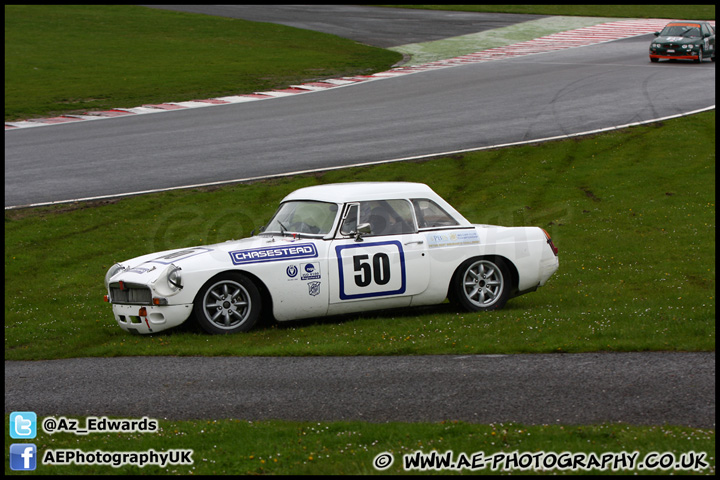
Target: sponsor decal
{"x":181,"y":255}
{"x":304,"y":271}
{"x":140,"y":270}
{"x":314,"y":288}
{"x":310,"y":271}
{"x":448,"y":239}
{"x":273,"y":254}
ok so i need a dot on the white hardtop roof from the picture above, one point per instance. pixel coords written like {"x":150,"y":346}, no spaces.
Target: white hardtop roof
{"x":362,"y":191}
{"x":367,"y":191}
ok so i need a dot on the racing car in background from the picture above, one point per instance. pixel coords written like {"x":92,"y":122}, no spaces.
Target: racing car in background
{"x":334,"y":249}
{"x":684,"y":40}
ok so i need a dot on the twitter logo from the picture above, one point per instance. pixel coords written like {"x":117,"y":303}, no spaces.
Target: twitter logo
{"x":23,"y":425}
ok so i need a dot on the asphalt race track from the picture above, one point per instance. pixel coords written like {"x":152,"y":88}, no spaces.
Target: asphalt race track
{"x":636,"y":388}
{"x":463,"y":107}
{"x":377,"y":26}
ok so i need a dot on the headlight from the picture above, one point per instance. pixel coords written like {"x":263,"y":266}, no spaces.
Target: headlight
{"x":174,"y":279}
{"x":114,"y":270}
{"x":169,"y":282}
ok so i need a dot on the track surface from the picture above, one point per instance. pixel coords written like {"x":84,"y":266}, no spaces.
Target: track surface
{"x":637,"y":388}
{"x":436,"y":111}
{"x":377,"y":26}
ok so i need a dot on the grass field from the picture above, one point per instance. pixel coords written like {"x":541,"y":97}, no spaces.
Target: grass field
{"x":632,"y":212}
{"x":63,"y":58}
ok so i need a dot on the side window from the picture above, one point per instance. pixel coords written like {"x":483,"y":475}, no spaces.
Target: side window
{"x":386,"y":217}
{"x":430,"y":215}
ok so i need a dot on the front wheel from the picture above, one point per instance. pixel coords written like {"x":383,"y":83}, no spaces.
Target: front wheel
{"x":228,"y":303}
{"x":481,"y":284}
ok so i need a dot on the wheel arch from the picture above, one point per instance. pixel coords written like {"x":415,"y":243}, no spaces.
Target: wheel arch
{"x":514,"y":275}
{"x":266,"y":310}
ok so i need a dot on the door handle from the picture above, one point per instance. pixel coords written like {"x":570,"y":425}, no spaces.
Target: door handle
{"x":419,"y":242}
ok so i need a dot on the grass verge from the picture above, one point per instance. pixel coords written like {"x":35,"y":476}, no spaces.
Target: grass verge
{"x":637,"y":255}
{"x":77,"y":58}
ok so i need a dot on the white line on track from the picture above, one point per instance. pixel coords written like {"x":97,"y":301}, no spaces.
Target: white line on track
{"x":365,"y":164}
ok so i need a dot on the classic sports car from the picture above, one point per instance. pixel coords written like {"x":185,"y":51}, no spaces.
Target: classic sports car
{"x":684,"y":40}
{"x":334,"y":249}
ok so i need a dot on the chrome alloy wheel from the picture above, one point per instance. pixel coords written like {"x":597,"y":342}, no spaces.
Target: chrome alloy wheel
{"x":226,"y":304}
{"x":483,"y":284}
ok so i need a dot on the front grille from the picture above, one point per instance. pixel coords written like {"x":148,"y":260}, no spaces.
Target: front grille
{"x":132,"y":294}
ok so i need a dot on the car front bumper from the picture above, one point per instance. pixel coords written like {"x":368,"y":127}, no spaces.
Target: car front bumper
{"x":674,"y":56}
{"x":155,"y":318}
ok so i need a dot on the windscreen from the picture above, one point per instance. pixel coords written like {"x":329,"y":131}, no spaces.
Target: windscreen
{"x":304,"y":217}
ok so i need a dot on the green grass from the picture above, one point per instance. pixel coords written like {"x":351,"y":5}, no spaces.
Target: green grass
{"x":64,"y":58}
{"x":222,"y":447}
{"x":637,"y":255}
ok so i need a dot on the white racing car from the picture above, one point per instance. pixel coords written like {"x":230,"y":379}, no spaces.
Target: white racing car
{"x":334,"y":249}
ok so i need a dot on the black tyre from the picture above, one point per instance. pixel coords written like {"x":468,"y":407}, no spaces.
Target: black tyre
{"x":228,"y":303}
{"x":481,"y":284}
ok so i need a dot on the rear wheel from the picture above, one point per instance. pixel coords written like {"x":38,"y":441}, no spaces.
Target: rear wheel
{"x":481,"y":284}
{"x":228,"y":303}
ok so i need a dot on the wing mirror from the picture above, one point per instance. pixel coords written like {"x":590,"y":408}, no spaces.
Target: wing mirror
{"x":362,"y":229}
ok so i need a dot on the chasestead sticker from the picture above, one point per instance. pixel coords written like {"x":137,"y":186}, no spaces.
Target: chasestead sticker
{"x":273,"y":254}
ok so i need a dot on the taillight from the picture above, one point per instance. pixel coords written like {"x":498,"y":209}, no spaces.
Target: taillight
{"x":550,"y":242}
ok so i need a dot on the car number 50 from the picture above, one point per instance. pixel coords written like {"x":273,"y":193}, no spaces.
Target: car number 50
{"x":378,"y":271}
{"x":371,"y":270}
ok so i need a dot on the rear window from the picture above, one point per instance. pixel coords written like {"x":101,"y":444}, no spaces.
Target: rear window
{"x":430,"y":215}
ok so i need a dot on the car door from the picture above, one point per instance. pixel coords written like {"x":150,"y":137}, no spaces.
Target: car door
{"x":378,"y":259}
